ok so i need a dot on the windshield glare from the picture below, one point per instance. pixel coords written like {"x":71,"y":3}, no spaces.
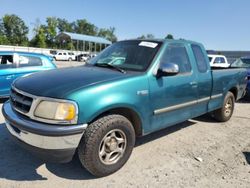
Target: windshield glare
{"x":128,"y":55}
{"x":241,"y":62}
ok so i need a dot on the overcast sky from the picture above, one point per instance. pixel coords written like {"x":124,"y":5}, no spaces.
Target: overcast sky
{"x":218,"y":24}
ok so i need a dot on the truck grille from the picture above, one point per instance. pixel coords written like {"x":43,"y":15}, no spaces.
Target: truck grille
{"x":20,"y":102}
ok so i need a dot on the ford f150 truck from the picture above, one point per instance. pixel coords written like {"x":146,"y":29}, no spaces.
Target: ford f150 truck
{"x":99,"y":109}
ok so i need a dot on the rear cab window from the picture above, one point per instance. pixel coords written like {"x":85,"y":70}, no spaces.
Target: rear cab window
{"x":200,"y":58}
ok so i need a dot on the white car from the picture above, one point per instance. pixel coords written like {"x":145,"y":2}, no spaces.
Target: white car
{"x":65,"y":56}
{"x":218,"y":61}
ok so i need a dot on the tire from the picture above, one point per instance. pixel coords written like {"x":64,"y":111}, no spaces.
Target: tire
{"x":101,"y":140}
{"x":226,"y":111}
{"x":70,"y":59}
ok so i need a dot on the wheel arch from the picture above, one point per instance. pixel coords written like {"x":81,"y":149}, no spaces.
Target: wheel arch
{"x":234,"y":90}
{"x":127,"y":112}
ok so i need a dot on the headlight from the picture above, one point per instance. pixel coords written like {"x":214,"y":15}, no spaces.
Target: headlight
{"x":57,"y":111}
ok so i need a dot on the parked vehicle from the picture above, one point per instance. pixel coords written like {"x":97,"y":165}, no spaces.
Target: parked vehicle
{"x":83,"y":57}
{"x":15,"y":64}
{"x":218,"y":61}
{"x":244,"y":62}
{"x":97,"y":110}
{"x":65,"y":56}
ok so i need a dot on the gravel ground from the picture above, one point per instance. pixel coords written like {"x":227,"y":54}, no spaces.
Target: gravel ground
{"x":197,"y":153}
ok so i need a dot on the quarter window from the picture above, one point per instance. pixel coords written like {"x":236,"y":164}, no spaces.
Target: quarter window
{"x":200,"y":58}
{"x":177,"y":54}
{"x":29,"y":61}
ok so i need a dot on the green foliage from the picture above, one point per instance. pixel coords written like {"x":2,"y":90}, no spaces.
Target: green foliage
{"x":40,"y":39}
{"x":3,"y":40}
{"x":84,"y":27}
{"x":109,"y":34}
{"x":169,"y":36}
{"x":51,"y":31}
{"x":148,"y":36}
{"x":64,"y":25}
{"x":15,"y":30}
{"x":70,"y":46}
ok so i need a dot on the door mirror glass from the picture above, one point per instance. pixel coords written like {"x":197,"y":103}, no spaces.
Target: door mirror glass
{"x":168,"y":69}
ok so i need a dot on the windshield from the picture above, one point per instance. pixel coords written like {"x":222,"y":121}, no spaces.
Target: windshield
{"x":128,"y":55}
{"x":241,"y":62}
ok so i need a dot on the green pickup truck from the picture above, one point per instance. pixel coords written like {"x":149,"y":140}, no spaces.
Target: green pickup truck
{"x":131,"y":89}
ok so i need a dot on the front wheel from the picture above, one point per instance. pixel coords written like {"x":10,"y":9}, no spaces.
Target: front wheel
{"x":226,"y":111}
{"x":106,"y":145}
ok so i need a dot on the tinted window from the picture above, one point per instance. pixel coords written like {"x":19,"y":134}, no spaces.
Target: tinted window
{"x":6,"y":61}
{"x":222,"y":60}
{"x":200,"y":58}
{"x":210,"y":59}
{"x":29,"y":61}
{"x":217,"y":60}
{"x":177,"y":54}
{"x":60,"y":54}
{"x":64,"y":54}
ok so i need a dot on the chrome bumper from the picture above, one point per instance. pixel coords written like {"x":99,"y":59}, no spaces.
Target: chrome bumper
{"x":40,"y":135}
{"x":45,"y":142}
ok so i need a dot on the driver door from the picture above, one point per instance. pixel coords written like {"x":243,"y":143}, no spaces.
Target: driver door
{"x":173,"y":97}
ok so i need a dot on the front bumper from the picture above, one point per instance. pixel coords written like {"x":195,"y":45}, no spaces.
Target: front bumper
{"x":54,"y":142}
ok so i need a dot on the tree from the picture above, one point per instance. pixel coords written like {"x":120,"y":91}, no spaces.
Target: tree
{"x":3,"y":38}
{"x":51,"y":31}
{"x":40,"y":39}
{"x":148,"y":36}
{"x":64,"y":25}
{"x":109,"y":34}
{"x":169,"y":36}
{"x":84,"y":27}
{"x":15,"y":30}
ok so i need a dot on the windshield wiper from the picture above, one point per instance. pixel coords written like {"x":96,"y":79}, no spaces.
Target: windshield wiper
{"x":110,"y":66}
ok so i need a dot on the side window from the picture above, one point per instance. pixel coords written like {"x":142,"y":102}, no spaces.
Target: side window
{"x":222,"y":60}
{"x":200,"y":58}
{"x":6,"y":61}
{"x":64,"y":54}
{"x":29,"y":61}
{"x":60,"y":54}
{"x":177,"y":54}
{"x":217,"y":60}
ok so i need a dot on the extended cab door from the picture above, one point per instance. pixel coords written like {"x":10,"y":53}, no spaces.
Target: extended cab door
{"x":204,"y":78}
{"x":7,"y":72}
{"x":173,"y":97}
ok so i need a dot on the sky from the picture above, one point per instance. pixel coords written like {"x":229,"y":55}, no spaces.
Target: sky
{"x":218,"y":24}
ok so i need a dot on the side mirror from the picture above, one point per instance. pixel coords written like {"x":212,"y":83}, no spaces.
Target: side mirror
{"x":167,"y":69}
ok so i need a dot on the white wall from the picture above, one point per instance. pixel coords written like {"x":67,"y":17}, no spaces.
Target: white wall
{"x":31,"y":49}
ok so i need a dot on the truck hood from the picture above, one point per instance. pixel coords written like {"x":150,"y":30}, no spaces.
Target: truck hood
{"x":60,"y":82}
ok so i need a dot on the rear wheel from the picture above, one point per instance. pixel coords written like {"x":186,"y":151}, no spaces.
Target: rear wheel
{"x":225,"y":112}
{"x":106,"y":145}
{"x":70,"y":59}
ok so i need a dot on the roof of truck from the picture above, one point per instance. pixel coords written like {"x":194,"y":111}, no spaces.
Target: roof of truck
{"x":169,"y":40}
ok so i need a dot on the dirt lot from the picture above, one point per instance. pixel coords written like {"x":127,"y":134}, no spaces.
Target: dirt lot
{"x":197,"y":153}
